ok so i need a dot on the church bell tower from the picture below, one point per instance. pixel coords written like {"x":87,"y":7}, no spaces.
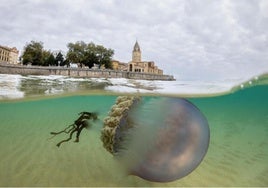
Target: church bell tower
{"x":136,"y":53}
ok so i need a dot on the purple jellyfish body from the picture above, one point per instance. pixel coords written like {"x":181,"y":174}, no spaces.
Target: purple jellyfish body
{"x":159,"y":140}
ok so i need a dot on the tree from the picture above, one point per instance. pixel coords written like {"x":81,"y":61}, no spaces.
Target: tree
{"x":33,"y":53}
{"x":59,"y":59}
{"x":104,"y":56}
{"x":65,"y":63}
{"x":76,"y":52}
{"x":79,"y":53}
{"x":52,"y":60}
{"x":89,"y":54}
{"x":45,"y":58}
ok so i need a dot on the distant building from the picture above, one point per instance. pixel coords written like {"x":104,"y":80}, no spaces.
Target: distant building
{"x":9,"y":55}
{"x":121,"y":66}
{"x":137,"y":65}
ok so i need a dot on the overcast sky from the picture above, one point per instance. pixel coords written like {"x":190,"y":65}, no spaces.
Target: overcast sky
{"x":191,"y":39}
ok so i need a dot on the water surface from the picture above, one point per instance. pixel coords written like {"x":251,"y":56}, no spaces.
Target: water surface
{"x":237,"y":155}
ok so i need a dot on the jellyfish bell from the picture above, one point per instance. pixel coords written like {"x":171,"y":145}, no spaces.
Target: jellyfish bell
{"x":159,"y":140}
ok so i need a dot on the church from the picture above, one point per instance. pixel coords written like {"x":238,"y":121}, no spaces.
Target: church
{"x":136,"y":64}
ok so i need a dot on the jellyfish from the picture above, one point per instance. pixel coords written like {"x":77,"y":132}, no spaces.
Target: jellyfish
{"x":157,"y":139}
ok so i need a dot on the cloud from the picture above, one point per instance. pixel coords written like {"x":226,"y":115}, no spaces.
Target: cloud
{"x":189,"y":38}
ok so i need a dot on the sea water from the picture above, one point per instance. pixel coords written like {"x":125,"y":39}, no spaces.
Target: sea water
{"x":237,"y":154}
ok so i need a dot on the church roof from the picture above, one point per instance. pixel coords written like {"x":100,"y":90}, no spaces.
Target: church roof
{"x":136,"y":47}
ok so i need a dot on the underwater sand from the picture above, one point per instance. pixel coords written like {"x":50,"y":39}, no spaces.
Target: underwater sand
{"x":237,"y":155}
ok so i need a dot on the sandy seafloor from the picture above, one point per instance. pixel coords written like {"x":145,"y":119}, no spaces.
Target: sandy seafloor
{"x":237,"y":154}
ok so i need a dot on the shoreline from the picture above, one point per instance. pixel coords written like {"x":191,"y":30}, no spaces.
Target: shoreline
{"x":79,"y":72}
{"x":62,"y":86}
{"x":108,"y":93}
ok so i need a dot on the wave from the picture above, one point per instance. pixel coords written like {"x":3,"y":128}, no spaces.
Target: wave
{"x":261,"y":79}
{"x":18,"y":86}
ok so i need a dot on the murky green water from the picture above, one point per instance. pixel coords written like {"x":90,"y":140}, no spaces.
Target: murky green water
{"x":237,"y":155}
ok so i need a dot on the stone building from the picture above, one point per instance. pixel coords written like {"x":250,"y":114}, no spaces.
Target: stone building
{"x":121,"y":66}
{"x":137,"y":65}
{"x":9,"y":55}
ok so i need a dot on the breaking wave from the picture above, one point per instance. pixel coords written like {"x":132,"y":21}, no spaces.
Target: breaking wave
{"x":18,"y":86}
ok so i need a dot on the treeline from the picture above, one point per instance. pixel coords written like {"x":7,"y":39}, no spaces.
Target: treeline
{"x":80,"y":53}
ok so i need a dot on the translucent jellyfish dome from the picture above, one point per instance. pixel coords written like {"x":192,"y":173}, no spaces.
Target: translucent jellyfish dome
{"x":160,"y":139}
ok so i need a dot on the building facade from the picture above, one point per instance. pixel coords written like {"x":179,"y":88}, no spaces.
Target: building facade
{"x":119,"y":66}
{"x":137,"y":65}
{"x":136,"y":53}
{"x":9,"y":55}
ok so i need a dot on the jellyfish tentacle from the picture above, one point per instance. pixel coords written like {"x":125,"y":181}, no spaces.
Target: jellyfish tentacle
{"x":77,"y":126}
{"x":71,"y":135}
{"x":73,"y":127}
{"x":84,"y":125}
{"x":64,"y":131}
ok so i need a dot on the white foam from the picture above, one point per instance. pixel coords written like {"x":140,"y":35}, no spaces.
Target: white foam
{"x":52,"y":91}
{"x":170,"y":87}
{"x":10,"y":85}
{"x":49,"y":77}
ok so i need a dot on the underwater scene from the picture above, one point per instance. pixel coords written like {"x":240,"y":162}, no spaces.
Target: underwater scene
{"x":237,"y":154}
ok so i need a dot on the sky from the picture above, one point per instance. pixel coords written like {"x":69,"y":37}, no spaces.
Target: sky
{"x":190,"y":39}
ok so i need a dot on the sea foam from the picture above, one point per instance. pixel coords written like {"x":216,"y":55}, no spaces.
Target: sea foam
{"x":15,"y":86}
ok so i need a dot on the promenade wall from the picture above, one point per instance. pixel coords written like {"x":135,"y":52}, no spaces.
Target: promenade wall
{"x":79,"y":72}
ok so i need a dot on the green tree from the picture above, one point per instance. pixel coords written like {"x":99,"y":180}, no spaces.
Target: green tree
{"x":65,"y":62}
{"x":33,"y":53}
{"x":104,"y":56}
{"x":52,"y":60}
{"x":76,"y":52}
{"x":60,"y":59}
{"x":48,"y":58}
{"x":89,"y":54}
